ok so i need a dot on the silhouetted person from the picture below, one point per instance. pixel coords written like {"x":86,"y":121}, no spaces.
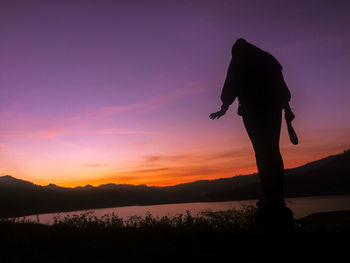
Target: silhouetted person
{"x":255,"y":78}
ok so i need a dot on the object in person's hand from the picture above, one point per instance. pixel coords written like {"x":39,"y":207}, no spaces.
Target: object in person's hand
{"x":292,"y":135}
{"x":289,"y":116}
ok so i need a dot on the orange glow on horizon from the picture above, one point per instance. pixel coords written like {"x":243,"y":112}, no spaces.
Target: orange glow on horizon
{"x":156,"y":177}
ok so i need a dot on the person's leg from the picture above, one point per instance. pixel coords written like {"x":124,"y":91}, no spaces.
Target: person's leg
{"x":273,"y":171}
{"x":263,"y":129}
{"x":272,"y":217}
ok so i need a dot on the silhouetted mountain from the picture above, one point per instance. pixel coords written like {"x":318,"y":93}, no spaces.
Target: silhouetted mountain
{"x":9,"y":181}
{"x":121,"y":186}
{"x":52,"y":186}
{"x":328,"y":176}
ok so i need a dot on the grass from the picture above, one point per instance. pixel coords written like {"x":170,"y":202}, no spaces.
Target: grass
{"x":224,"y":236}
{"x":234,"y":219}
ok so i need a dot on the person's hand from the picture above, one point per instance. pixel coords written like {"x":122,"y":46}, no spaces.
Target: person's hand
{"x":217,"y":115}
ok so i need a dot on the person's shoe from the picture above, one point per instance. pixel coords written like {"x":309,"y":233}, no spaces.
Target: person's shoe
{"x":273,"y":216}
{"x":273,"y":202}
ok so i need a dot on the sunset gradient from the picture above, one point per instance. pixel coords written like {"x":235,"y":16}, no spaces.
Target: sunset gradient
{"x":96,"y":92}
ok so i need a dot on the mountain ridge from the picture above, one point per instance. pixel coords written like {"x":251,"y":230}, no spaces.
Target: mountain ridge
{"x":327,"y":176}
{"x":304,"y":166}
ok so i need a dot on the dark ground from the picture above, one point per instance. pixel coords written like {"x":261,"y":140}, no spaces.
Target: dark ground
{"x":317,"y":238}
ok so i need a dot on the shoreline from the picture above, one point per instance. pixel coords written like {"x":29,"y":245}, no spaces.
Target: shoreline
{"x":251,"y":202}
{"x":329,"y":217}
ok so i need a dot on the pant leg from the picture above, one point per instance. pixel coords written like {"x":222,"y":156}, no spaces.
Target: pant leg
{"x":263,"y":129}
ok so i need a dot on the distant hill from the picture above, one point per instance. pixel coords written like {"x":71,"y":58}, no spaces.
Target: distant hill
{"x":328,"y":176}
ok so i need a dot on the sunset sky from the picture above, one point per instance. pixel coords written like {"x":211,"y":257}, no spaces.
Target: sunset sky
{"x":96,"y":92}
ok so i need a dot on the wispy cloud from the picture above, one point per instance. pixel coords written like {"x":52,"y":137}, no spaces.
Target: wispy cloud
{"x":51,"y":133}
{"x":180,"y":168}
{"x":94,"y":165}
{"x":196,"y":158}
{"x":20,"y":123}
{"x":150,"y":104}
{"x":172,"y":175}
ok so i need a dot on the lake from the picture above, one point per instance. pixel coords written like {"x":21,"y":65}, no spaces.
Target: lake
{"x":301,"y":206}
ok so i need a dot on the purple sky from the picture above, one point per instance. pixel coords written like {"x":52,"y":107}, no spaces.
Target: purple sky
{"x":120,"y":91}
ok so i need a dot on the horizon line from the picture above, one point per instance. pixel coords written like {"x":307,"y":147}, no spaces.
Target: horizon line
{"x":69,"y":187}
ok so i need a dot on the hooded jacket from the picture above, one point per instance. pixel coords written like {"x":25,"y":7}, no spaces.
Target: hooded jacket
{"x":255,"y":77}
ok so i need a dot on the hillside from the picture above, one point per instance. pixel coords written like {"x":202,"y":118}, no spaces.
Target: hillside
{"x":328,"y":176}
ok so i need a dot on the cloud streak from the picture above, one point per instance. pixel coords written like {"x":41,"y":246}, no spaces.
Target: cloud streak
{"x":179,"y":168}
{"x":48,"y":127}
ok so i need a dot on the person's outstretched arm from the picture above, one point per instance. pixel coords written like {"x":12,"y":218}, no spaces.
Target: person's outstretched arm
{"x":228,"y":94}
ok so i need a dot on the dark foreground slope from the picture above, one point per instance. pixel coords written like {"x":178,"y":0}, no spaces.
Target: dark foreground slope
{"x":328,"y":176}
{"x":229,"y":236}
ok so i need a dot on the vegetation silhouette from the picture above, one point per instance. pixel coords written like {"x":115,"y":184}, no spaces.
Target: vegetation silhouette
{"x":224,"y":236}
{"x":255,"y":77}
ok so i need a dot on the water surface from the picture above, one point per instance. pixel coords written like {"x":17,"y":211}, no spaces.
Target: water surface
{"x":301,"y":206}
